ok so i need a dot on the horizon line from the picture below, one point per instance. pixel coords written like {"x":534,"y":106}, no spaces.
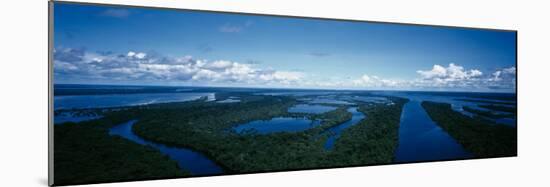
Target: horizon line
{"x":287,"y":88}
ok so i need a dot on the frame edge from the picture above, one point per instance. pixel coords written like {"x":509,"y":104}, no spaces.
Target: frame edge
{"x":50,"y":95}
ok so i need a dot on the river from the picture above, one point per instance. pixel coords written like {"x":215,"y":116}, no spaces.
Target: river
{"x":187,"y":159}
{"x":335,"y":131}
{"x":420,"y":139}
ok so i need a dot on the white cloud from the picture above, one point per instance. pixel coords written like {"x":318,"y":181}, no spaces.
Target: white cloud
{"x":437,"y":71}
{"x":220,"y":65}
{"x":65,"y":66}
{"x":453,"y":77}
{"x":502,"y":79}
{"x":205,"y":74}
{"x":286,"y":77}
{"x":138,"y":55}
{"x":496,"y":76}
{"x":506,"y":73}
{"x":78,"y":64}
{"x":510,"y":70}
{"x":131,"y":54}
{"x":451,"y":73}
{"x":138,"y":66}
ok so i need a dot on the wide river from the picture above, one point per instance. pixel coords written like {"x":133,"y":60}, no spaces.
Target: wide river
{"x":421,"y":139}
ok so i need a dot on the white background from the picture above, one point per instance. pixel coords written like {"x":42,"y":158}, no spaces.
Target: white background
{"x":23,"y":71}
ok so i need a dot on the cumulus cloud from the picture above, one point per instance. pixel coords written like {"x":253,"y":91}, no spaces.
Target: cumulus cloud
{"x":132,"y":54}
{"x":451,"y":73}
{"x":452,"y":76}
{"x":139,"y":66}
{"x":506,"y":73}
{"x":502,"y":79}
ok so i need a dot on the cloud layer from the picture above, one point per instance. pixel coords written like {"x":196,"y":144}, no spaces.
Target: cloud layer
{"x":72,"y":65}
{"x":452,"y":77}
{"x":78,"y":64}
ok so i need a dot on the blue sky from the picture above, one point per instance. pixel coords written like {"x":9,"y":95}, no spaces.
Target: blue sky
{"x":117,"y":45}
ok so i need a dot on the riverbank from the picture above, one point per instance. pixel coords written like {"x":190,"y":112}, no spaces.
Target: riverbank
{"x":86,"y":153}
{"x":481,"y":137}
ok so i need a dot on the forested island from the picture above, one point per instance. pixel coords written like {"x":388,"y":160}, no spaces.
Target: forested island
{"x":480,"y":136}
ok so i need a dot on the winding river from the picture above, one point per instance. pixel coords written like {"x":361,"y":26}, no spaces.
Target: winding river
{"x":420,"y":139}
{"x":335,"y":131}
{"x":187,"y":159}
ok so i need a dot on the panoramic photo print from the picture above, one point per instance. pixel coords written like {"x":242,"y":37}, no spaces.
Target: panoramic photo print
{"x":145,"y":93}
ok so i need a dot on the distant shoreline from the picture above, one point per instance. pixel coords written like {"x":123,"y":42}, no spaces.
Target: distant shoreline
{"x":283,"y":88}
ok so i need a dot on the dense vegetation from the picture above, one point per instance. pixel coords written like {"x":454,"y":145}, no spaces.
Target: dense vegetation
{"x":208,"y":129}
{"x":512,"y":110}
{"x":372,"y":141}
{"x":85,"y":153}
{"x":481,"y":137}
{"x":487,"y":101}
{"x":502,"y":97}
{"x":487,"y":113}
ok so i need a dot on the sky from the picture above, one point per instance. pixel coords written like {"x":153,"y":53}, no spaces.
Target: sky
{"x":96,"y":44}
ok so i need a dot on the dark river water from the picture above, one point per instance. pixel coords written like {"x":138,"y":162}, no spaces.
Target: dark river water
{"x":420,"y":139}
{"x":187,"y":159}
